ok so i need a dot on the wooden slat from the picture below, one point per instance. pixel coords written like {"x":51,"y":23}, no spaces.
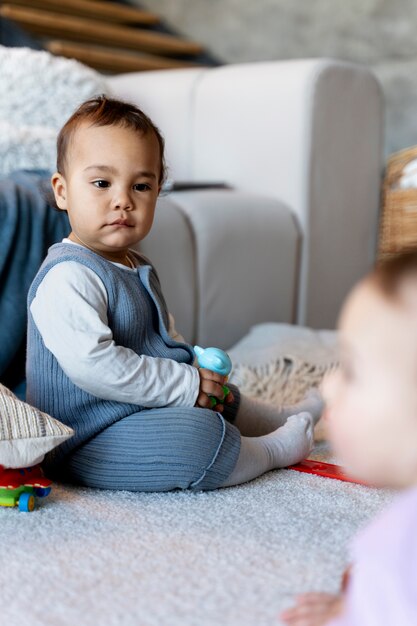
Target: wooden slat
{"x":46,"y":23}
{"x":97,"y":9}
{"x":111,"y":59}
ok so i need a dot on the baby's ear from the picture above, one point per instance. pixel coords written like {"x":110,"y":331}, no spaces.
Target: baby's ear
{"x":59,"y":187}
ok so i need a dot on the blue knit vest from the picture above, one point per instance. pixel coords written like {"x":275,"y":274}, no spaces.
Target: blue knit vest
{"x":138,"y":318}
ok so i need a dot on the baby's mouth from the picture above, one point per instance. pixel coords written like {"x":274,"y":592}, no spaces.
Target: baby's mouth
{"x":121,"y":222}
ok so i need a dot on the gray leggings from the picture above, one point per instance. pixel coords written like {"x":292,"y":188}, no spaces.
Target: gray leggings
{"x":159,"y":449}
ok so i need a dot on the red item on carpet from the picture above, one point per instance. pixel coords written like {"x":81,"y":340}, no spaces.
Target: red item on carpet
{"x":327,"y":470}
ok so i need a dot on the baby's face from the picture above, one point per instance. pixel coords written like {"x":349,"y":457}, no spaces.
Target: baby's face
{"x":372,"y":399}
{"x":111,"y":174}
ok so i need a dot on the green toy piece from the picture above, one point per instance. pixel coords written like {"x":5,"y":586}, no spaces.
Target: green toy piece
{"x":23,"y":497}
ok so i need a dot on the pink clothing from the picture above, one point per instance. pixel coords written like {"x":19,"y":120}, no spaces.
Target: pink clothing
{"x":382,"y":590}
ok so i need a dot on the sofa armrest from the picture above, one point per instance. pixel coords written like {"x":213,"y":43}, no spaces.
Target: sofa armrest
{"x":236,"y":263}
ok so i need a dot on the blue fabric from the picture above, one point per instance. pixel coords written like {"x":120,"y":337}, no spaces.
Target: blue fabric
{"x":29,"y":225}
{"x":159,"y":450}
{"x":138,"y":318}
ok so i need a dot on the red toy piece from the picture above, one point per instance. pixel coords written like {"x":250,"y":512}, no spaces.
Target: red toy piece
{"x":18,"y":487}
{"x":327,"y":470}
{"x":27,"y":477}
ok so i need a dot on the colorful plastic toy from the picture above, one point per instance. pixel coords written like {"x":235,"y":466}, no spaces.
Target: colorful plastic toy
{"x":324,"y":469}
{"x":218,"y":361}
{"x":18,"y":487}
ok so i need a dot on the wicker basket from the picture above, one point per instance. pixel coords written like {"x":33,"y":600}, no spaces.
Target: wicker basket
{"x":398,"y":229}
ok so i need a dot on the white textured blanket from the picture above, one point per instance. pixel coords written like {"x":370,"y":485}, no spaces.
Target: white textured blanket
{"x":280,"y":362}
{"x":39,"y":93}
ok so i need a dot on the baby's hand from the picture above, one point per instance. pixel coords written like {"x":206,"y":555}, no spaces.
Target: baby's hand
{"x":210,"y":385}
{"x":313,"y":609}
{"x":229,"y":399}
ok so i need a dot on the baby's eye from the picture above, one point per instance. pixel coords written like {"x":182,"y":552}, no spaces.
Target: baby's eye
{"x":141,"y":187}
{"x":101,"y":184}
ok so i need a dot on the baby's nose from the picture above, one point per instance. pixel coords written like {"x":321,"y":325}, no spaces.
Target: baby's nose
{"x":122,"y":200}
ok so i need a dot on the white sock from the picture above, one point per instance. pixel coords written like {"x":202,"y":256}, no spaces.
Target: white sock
{"x":256,"y":417}
{"x":285,"y":446}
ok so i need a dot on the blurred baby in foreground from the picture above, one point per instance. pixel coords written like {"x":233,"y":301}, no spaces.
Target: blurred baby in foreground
{"x":372,"y":422}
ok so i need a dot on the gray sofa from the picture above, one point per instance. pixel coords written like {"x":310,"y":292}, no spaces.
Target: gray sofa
{"x":300,"y":145}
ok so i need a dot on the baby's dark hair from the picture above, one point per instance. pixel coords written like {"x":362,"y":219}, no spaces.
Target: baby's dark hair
{"x":104,"y":111}
{"x":390,"y":273}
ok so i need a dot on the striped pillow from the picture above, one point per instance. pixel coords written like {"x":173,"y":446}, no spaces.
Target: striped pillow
{"x":26,"y":434}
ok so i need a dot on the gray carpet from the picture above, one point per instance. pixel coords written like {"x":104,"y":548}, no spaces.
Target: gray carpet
{"x":234,"y":557}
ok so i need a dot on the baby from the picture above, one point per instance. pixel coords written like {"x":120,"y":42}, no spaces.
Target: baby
{"x":103,"y":354}
{"x":372,"y":421}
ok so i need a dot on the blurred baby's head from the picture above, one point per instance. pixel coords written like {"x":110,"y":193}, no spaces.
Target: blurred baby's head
{"x":372,"y":398}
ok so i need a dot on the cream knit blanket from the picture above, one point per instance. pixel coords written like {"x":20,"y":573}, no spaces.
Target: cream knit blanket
{"x":279,"y":363}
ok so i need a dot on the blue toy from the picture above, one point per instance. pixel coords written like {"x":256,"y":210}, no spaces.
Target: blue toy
{"x":218,"y":361}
